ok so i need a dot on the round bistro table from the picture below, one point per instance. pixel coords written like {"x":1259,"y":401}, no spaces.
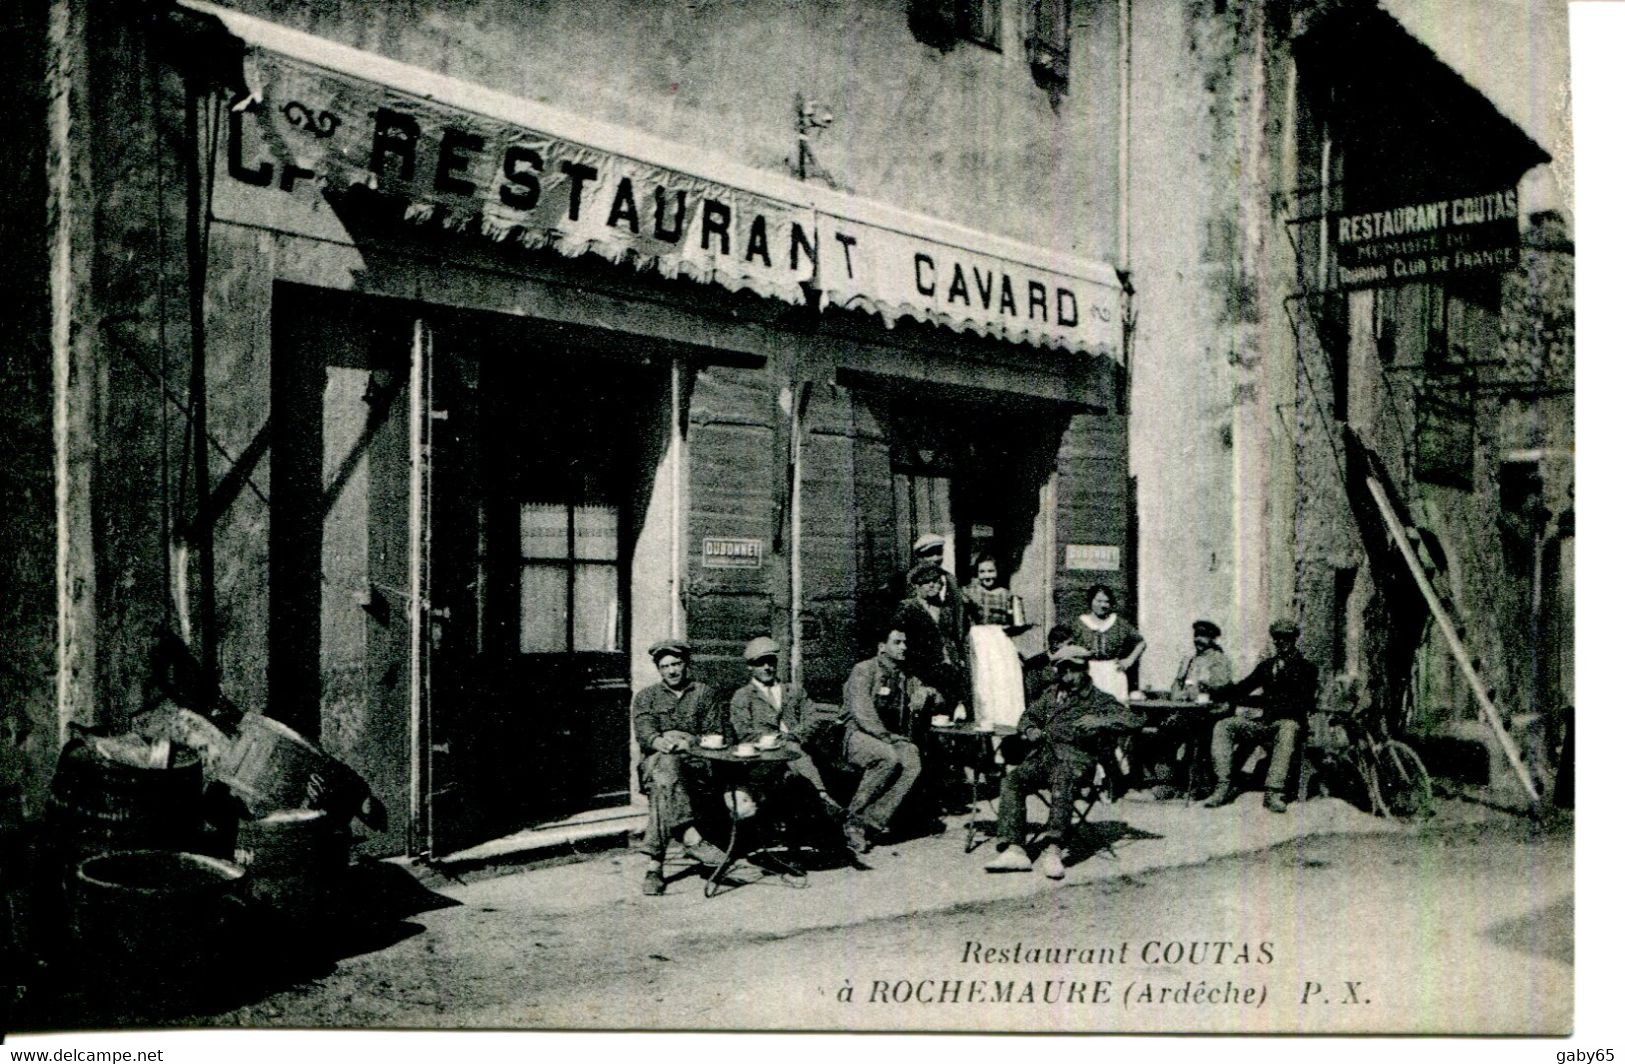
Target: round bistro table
{"x":955,"y":740}
{"x":733,"y":770}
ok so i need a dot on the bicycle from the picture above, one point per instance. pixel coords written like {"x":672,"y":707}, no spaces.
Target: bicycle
{"x":1396,"y":782}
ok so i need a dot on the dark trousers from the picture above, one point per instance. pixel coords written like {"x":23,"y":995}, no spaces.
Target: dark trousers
{"x":673,"y":785}
{"x":1041,"y":769}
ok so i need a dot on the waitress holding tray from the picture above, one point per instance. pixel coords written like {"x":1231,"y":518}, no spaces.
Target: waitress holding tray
{"x":1111,"y":641}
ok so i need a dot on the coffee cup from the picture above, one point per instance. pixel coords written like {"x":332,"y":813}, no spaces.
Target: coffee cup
{"x":711,"y":742}
{"x":745,"y":750}
{"x":941,"y":720}
{"x":1136,"y":696}
{"x":1203,"y":698}
{"x":769,"y":740}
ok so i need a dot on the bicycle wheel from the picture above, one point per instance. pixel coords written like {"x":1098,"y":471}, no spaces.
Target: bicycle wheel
{"x":1400,"y":784}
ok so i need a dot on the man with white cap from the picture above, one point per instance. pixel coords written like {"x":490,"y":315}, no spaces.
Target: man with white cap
{"x":1285,"y":685}
{"x":1059,"y":740}
{"x":667,"y":717}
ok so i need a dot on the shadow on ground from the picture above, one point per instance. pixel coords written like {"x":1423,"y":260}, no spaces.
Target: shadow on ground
{"x":259,"y":951}
{"x":1547,"y":932}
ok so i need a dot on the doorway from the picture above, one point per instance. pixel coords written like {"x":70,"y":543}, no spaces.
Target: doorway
{"x":460,"y":503}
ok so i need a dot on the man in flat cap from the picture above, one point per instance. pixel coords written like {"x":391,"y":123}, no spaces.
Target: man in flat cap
{"x":1284,"y":684}
{"x":935,"y":660}
{"x":765,"y":706}
{"x":668,"y":717}
{"x":1059,"y":740}
{"x":1205,"y":669}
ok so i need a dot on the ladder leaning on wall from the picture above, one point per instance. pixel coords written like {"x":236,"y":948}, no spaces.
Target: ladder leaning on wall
{"x":1449,"y":627}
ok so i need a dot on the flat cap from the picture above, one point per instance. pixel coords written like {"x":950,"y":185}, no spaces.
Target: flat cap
{"x":1284,"y":626}
{"x":929,"y":542}
{"x":1207,"y":628}
{"x":761,"y":647}
{"x":1070,"y":654}
{"x":924,"y":573}
{"x":671,"y":648}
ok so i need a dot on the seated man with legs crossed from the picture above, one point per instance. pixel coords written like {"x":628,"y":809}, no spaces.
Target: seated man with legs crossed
{"x":767,"y":712}
{"x":667,"y":718}
{"x":876,"y":710}
{"x":1060,"y":739}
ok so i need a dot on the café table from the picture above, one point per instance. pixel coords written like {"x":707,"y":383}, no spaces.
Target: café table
{"x":733,"y":771}
{"x":1182,"y":720}
{"x":956,"y":738}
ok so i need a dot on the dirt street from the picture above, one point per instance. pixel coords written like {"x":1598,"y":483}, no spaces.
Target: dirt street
{"x":1462,"y":926}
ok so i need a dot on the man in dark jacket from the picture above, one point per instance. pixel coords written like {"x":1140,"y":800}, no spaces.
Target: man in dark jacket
{"x":1284,"y":684}
{"x":668,"y":717}
{"x":936,"y":650}
{"x":876,"y":710}
{"x":1060,"y":739}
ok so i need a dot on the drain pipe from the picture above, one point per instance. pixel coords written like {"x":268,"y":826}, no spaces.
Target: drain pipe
{"x":676,"y":560}
{"x":1125,"y":60}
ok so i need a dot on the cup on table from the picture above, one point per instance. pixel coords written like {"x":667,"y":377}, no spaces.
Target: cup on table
{"x":1136,"y":696}
{"x":711,"y":742}
{"x":769,"y":740}
{"x":1203,"y":698}
{"x":745,"y":750}
{"x":941,"y":720}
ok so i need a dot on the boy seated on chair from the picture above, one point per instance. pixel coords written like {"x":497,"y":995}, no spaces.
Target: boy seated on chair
{"x":1060,"y":739}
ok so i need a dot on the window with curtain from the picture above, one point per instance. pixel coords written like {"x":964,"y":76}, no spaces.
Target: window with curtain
{"x":569,"y":578}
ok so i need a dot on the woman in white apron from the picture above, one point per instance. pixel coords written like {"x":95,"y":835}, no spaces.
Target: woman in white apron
{"x":1112,"y":642}
{"x":995,"y":666}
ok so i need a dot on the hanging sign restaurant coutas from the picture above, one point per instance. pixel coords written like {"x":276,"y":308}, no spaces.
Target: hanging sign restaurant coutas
{"x":1417,"y":241}
{"x":313,"y":142}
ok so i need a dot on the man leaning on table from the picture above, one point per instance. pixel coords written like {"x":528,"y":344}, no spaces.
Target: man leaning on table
{"x":668,"y":717}
{"x":1284,"y":684}
{"x":1059,"y":740}
{"x":1206,"y":668}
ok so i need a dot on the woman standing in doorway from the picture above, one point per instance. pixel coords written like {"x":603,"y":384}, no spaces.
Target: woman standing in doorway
{"x":1112,"y":642}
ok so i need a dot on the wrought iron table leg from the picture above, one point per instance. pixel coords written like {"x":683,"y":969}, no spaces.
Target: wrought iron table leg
{"x":713,"y":884}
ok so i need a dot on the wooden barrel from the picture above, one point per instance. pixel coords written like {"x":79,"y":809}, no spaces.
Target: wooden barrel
{"x":296,"y":859}
{"x":270,"y":767}
{"x":148,"y":919}
{"x":97,"y":804}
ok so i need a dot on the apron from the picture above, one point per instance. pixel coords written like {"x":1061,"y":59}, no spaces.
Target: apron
{"x":995,"y":676}
{"x":1109,"y":679}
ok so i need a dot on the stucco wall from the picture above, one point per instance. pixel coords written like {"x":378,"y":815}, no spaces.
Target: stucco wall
{"x":1208,"y":148}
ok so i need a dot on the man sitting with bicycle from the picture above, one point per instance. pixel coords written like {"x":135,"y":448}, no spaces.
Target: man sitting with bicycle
{"x":1285,"y":685}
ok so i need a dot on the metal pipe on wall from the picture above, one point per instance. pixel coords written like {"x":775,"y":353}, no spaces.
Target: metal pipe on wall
{"x":675,"y":581}
{"x":416,"y":607}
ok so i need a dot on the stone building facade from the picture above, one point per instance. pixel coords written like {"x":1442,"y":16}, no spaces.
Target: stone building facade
{"x":305,"y":375}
